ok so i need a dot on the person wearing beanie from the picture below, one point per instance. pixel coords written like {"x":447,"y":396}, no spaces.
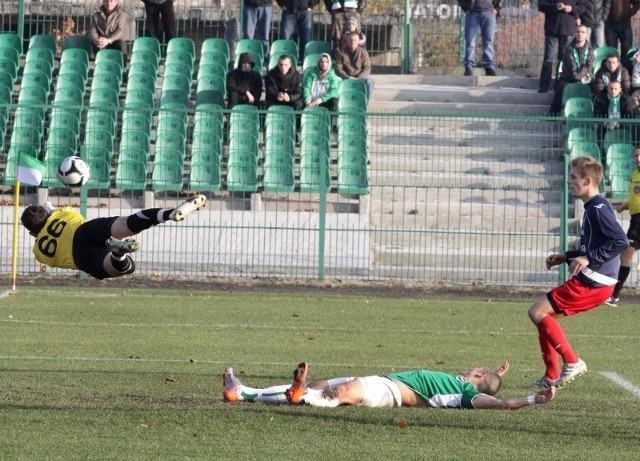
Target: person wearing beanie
{"x":320,"y":85}
{"x":352,"y":26}
{"x":244,"y":84}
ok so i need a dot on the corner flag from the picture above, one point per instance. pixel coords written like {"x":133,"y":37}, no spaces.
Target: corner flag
{"x":30,"y":170}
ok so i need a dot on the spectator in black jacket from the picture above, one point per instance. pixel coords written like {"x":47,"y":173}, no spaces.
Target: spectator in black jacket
{"x":613,"y":104}
{"x":257,"y":16}
{"x":617,"y":27}
{"x":594,"y":16}
{"x":340,"y":11}
{"x":244,"y":84}
{"x":560,"y":21}
{"x":297,"y":13}
{"x":283,"y":85}
{"x":577,"y":65}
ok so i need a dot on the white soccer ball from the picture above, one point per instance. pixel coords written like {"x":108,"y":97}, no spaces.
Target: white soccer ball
{"x":73,"y":171}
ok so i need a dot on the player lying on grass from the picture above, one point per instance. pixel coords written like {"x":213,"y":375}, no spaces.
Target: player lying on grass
{"x":99,"y":246}
{"x":472,"y":389}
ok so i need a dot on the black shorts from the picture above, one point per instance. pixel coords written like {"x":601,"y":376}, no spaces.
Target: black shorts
{"x":88,"y":246}
{"x":633,"y":234}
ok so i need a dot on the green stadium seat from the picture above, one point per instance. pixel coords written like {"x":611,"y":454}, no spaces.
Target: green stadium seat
{"x":278,"y":178}
{"x":242,"y":177}
{"x":144,"y":57}
{"x":36,"y":79}
{"x":50,"y":176}
{"x":42,"y":54}
{"x":581,"y":134}
{"x":180,"y":57}
{"x":619,"y":183}
{"x":167,"y":175}
{"x":578,"y":107}
{"x":353,"y":180}
{"x":620,"y":157}
{"x":310,"y":61}
{"x":100,"y":174}
{"x":138,"y":98}
{"x":147,"y":44}
{"x":55,"y":153}
{"x":620,"y":135}
{"x":571,"y":90}
{"x":249,"y":45}
{"x":581,"y":148}
{"x":171,"y":140}
{"x":245,"y":146}
{"x":136,"y":119}
{"x":283,"y":46}
{"x":9,"y":67}
{"x":177,"y":68}
{"x":71,"y":80}
{"x":74,"y":67}
{"x":280,"y":147}
{"x":110,"y":55}
{"x":207,"y":70}
{"x":103,"y":98}
{"x":105,"y":80}
{"x":274,"y":57}
{"x":143,"y":68}
{"x":107,"y":67}
{"x":11,"y":40}
{"x":25,"y":117}
{"x":136,"y":154}
{"x":99,"y":120}
{"x":218,"y":45}
{"x":352,"y":100}
{"x":182,"y":44}
{"x":38,"y":65}
{"x":131,"y":175}
{"x":171,"y":122}
{"x":142,"y":81}
{"x":6,"y":82}
{"x":311,"y":173}
{"x":213,"y":57}
{"x":280,"y":120}
{"x":168,"y":154}
{"x":315,"y":120}
{"x":62,"y":137}
{"x":99,"y":138}
{"x":352,"y":149}
{"x":205,"y":176}
{"x":10,"y":54}
{"x":77,"y":41}
{"x":354,"y":124}
{"x":95,"y":153}
{"x":74,"y":54}
{"x":317,"y":47}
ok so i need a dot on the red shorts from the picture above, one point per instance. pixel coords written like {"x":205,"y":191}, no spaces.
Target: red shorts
{"x":573,"y":297}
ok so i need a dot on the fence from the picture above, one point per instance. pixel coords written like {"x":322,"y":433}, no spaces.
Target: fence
{"x":449,"y":199}
{"x":436,"y":26}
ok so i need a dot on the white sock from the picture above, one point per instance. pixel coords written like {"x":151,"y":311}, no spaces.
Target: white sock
{"x":316,"y":398}
{"x":273,"y":394}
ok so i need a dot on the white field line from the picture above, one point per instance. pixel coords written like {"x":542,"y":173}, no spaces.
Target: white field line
{"x":623,"y":383}
{"x":247,"y":326}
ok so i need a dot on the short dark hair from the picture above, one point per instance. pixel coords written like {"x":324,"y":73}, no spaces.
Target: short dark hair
{"x":491,"y":383}
{"x":34,"y":218}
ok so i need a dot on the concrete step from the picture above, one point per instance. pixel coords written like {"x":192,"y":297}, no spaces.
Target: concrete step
{"x":457,"y":80}
{"x":438,"y":108}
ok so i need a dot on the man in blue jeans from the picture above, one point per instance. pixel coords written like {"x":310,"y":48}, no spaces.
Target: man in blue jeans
{"x":617,"y":26}
{"x":297,"y":13}
{"x":480,"y":16}
{"x":256,"y":22}
{"x":560,"y":23}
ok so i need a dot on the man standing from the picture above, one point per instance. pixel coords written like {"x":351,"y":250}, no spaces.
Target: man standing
{"x":320,"y":85}
{"x":594,"y":16}
{"x":577,"y":64}
{"x":283,"y":85}
{"x":352,"y":61}
{"x":560,"y":22}
{"x":480,"y":16}
{"x":593,"y":267}
{"x":340,"y":11}
{"x":297,"y":13}
{"x":155,"y":9}
{"x":256,"y":22}
{"x":109,"y":27}
{"x":617,"y":27}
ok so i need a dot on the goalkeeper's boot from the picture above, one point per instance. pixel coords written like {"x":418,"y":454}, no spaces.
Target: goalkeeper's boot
{"x":299,"y":387}
{"x":119,"y":248}
{"x":187,"y":207}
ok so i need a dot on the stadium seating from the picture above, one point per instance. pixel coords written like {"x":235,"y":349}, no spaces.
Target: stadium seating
{"x":131,"y":175}
{"x":620,"y":135}
{"x":182,"y":44}
{"x":44,"y":41}
{"x":317,"y":47}
{"x":218,"y":45}
{"x":77,"y":41}
{"x":580,"y":148}
{"x":571,"y":90}
{"x":10,"y":54}
{"x":147,"y":44}
{"x":167,"y":175}
{"x":578,"y":107}
{"x":242,"y":177}
{"x":620,"y":157}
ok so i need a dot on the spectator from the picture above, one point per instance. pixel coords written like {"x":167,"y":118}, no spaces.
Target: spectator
{"x":156,"y":9}
{"x":256,"y":22}
{"x":617,"y":27}
{"x":283,"y":85}
{"x":559,"y":28}
{"x":613,"y":105}
{"x":244,"y":84}
{"x":594,"y":16}
{"x":297,"y":13}
{"x":480,"y":17}
{"x":109,"y":26}
{"x":612,"y":70}
{"x":353,"y":62}
{"x":635,"y":71}
{"x":320,"y":85}
{"x":341,"y":11}
{"x":352,"y":26}
{"x":577,"y":63}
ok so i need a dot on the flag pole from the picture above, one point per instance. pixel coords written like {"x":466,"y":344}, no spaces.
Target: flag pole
{"x":14,"y":256}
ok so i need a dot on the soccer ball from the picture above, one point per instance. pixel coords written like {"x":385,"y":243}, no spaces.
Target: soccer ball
{"x":73,"y":171}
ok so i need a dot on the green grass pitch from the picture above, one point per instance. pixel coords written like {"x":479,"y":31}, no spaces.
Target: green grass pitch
{"x":107,"y":373}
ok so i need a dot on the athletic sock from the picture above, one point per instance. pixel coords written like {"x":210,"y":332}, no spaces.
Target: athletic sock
{"x":146,"y":219}
{"x":623,"y":273}
{"x":551,"y":330}
{"x":549,"y":357}
{"x":273,"y":394}
{"x":122,"y":264}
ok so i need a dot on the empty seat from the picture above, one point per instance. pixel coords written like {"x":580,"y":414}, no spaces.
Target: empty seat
{"x":205,"y":176}
{"x":11,"y":40}
{"x":74,"y":54}
{"x":352,"y":99}
{"x":167,"y":175}
{"x":619,"y":135}
{"x":74,"y":67}
{"x":71,"y":80}
{"x":100,"y":177}
{"x":211,"y":69}
{"x":145,"y":81}
{"x":10,"y":54}
{"x":144,"y":57}
{"x":147,"y":44}
{"x":620,"y":157}
{"x":9,"y":67}
{"x":182,"y":44}
{"x":105,"y":80}
{"x":352,"y":149}
{"x":43,"y":54}
{"x":139,"y":97}
{"x":180,"y":57}
{"x":218,"y":45}
{"x":578,"y":107}
{"x":317,"y":47}
{"x":110,"y":55}
{"x":242,"y":177}
{"x":77,"y":41}
{"x":353,"y":180}
{"x":571,"y":90}
{"x":44,"y":41}
{"x":581,"y":148}
{"x":131,"y":174}
{"x":89,"y":152}
{"x":278,"y":178}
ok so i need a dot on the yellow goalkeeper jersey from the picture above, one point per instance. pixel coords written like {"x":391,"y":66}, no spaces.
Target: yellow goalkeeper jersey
{"x":633,"y":202}
{"x":54,"y":243}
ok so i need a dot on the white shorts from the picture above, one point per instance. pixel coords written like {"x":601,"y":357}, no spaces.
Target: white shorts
{"x":380,"y":392}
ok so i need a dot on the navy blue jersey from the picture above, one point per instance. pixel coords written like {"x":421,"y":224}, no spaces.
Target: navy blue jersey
{"x":601,"y":241}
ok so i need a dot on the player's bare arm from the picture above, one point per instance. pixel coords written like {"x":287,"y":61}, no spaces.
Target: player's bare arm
{"x":487,"y":402}
{"x":555,"y":260}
